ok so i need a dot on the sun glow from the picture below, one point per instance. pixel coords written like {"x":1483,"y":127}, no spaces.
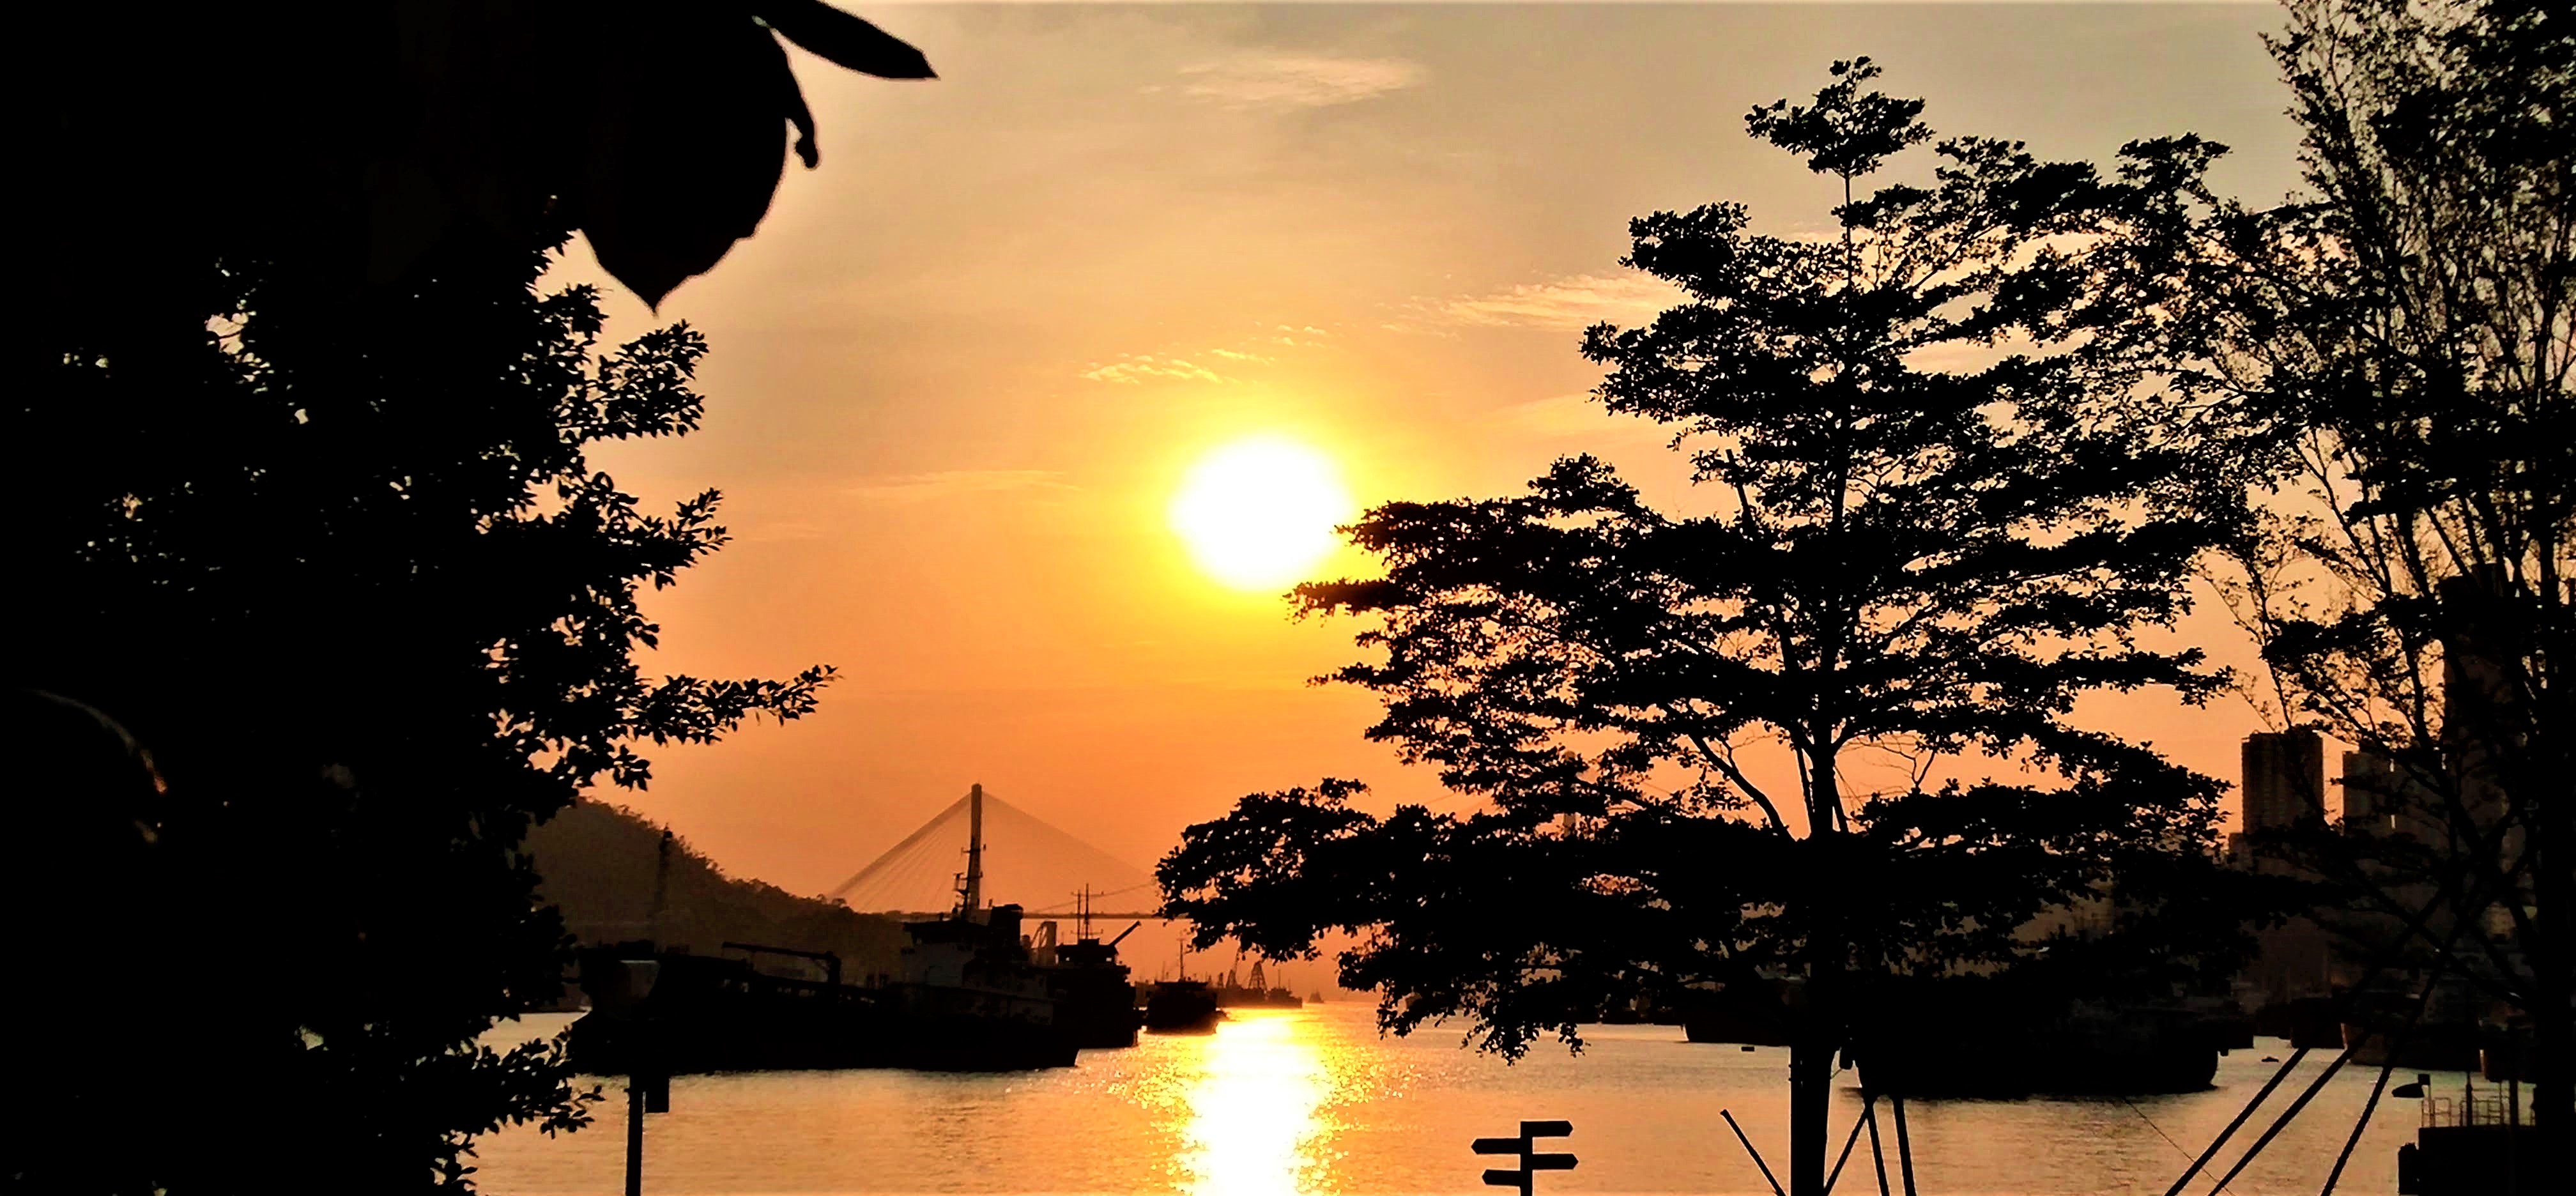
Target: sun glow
{"x":1258,"y":514}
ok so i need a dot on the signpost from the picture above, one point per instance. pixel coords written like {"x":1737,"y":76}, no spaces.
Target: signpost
{"x":648,"y":1090}
{"x":1531,"y":1162}
{"x":618,"y":990}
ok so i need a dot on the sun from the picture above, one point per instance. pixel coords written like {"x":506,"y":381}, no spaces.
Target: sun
{"x":1257,"y":514}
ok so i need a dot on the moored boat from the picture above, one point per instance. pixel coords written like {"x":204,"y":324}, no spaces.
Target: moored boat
{"x":1752,"y":1012}
{"x":1973,"y":1037}
{"x":1181,"y":1007}
{"x":1094,"y":1001}
{"x":968,"y":999}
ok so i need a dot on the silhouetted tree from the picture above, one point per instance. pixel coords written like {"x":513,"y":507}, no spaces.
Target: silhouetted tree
{"x":1947,"y":506}
{"x":2398,"y":341}
{"x":324,"y":603}
{"x":356,"y":590}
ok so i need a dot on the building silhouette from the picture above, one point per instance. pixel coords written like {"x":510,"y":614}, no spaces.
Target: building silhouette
{"x":2283,"y":784}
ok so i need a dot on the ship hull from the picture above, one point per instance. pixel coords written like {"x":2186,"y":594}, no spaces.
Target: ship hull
{"x":707,"y":1014}
{"x":1094,"y":1001}
{"x":1975,"y":1037}
{"x":1228,"y":997}
{"x":1181,"y":1007}
{"x":775,"y":1040}
{"x":2138,"y":1055}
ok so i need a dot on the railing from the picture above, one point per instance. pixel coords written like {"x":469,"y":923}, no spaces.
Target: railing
{"x":2479,"y":1109}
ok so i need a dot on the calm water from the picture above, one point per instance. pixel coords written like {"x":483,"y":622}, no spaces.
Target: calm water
{"x":1313,"y":1101}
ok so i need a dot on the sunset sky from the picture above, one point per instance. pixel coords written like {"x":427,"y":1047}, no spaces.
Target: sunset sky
{"x":962,"y":371}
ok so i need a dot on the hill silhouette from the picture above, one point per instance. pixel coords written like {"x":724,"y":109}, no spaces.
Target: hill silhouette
{"x":602,"y":863}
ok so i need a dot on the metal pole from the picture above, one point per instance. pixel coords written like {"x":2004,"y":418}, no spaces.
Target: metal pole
{"x":661,"y":887}
{"x":634,"y":1135}
{"x":2362,"y":1124}
{"x":2396,"y":1047}
{"x":2512,"y":1121}
{"x":1868,"y":1101}
{"x":974,"y":850}
{"x":1748,"y":1149}
{"x":1876,"y":1155}
{"x":1904,"y":1148}
{"x":2283,"y":1121}
{"x":2248,"y":1111}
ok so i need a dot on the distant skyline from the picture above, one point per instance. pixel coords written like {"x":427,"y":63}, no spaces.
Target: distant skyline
{"x":958,"y":376}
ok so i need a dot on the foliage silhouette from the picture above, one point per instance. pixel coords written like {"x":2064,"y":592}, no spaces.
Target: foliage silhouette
{"x":327,"y":604}
{"x":2396,"y":345}
{"x":359,"y":594}
{"x":1910,"y":557}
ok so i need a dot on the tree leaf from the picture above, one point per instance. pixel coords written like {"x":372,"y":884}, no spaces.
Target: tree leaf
{"x":843,"y":40}
{"x":687,"y":140}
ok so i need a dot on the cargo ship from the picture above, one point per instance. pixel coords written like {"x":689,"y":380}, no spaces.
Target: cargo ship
{"x":967,"y":996}
{"x":968,"y":999}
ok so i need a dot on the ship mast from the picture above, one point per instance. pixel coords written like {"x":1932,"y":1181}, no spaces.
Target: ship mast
{"x":973,"y":890}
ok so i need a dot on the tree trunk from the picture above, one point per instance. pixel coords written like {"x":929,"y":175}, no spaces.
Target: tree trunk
{"x":1819,"y":1025}
{"x":1811,"y":1088}
{"x":2551,"y":843}
{"x":2553,"y":1050}
{"x":2553,"y":1012}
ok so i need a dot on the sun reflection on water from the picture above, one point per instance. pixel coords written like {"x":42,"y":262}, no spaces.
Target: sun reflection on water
{"x":1258,"y":1124}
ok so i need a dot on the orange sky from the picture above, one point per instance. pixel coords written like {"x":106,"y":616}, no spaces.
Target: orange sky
{"x":962,"y":368}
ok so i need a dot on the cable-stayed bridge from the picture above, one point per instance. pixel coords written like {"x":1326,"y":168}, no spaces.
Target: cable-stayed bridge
{"x":1020,"y":859}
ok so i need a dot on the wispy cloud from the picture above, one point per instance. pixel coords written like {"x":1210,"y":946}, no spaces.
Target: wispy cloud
{"x":1262,"y":79}
{"x":1577,"y":301}
{"x":1133,"y":368}
{"x":1260,"y":349}
{"x":955,"y":483}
